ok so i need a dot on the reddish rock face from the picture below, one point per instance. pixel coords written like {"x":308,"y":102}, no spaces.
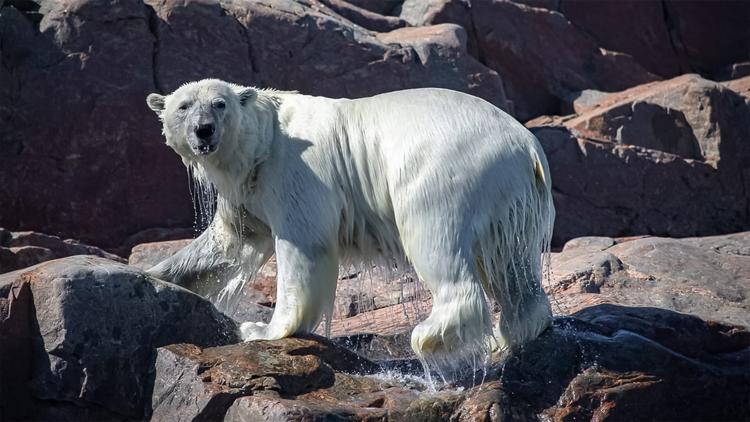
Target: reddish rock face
{"x":82,"y":151}
{"x":667,"y":158}
{"x":548,"y":49}
{"x":740,"y":86}
{"x":146,"y":255}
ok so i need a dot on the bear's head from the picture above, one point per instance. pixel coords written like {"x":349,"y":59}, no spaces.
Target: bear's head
{"x":203,"y":117}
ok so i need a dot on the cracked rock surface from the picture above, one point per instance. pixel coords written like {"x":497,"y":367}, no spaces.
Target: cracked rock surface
{"x":704,"y":276}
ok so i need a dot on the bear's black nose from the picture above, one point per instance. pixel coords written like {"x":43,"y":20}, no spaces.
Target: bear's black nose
{"x":204,"y":131}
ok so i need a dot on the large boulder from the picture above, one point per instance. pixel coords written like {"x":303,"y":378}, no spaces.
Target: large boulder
{"x":667,"y":158}
{"x":81,"y":333}
{"x":687,"y":116}
{"x":81,"y":149}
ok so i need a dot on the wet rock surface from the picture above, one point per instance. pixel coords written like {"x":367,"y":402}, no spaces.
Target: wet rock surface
{"x":606,"y":363}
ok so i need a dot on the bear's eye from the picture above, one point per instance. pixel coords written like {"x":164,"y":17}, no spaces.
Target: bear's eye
{"x":184,"y":106}
{"x":219,"y":104}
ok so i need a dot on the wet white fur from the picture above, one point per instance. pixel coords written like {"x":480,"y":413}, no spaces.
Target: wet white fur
{"x":442,"y":179}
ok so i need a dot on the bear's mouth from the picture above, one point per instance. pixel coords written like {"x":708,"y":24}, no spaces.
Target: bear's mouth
{"x":204,"y":149}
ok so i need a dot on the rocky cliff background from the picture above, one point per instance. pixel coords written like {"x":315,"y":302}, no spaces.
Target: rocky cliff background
{"x":643,"y":109}
{"x":637,"y":152}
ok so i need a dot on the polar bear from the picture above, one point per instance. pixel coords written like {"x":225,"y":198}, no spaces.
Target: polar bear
{"x":440,"y":179}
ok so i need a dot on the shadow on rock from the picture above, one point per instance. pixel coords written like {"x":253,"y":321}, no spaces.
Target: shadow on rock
{"x":627,"y":363}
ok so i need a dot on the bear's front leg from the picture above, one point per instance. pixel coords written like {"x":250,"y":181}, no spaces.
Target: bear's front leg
{"x":306,"y":288}
{"x":202,"y":256}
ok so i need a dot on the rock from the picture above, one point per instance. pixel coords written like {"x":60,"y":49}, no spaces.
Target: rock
{"x":740,"y":86}
{"x":158,"y":234}
{"x":364,"y":17}
{"x":392,"y":350}
{"x":146,"y":255}
{"x":90,"y":63}
{"x":390,"y":320}
{"x":610,"y":362}
{"x":674,"y":155}
{"x":704,"y":276}
{"x":192,"y":382}
{"x":542,"y":57}
{"x":661,"y":35}
{"x":645,"y":35}
{"x":24,"y":249}
{"x":16,"y":363}
{"x":250,"y":308}
{"x":726,"y":30}
{"x":544,"y":4}
{"x":376,"y":288}
{"x":5,"y":236}
{"x":381,"y":7}
{"x":645,"y":191}
{"x":598,"y":243}
{"x":95,"y":325}
{"x":734,"y":71}
{"x":688,"y":116}
{"x":577,"y":102}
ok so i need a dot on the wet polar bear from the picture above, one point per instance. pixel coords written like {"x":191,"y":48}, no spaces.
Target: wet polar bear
{"x":438,"y":179}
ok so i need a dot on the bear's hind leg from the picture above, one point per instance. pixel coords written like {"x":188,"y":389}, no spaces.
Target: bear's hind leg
{"x":459,"y":327}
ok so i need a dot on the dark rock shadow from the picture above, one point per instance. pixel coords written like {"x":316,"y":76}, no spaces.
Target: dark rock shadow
{"x":651,"y":362}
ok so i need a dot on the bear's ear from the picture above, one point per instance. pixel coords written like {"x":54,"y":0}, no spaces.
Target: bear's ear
{"x":156,"y":102}
{"x":246,"y":95}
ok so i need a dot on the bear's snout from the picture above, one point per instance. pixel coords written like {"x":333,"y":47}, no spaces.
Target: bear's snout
{"x":204,"y":131}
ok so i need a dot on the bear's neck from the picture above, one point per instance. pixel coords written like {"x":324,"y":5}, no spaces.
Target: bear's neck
{"x":234,"y":172}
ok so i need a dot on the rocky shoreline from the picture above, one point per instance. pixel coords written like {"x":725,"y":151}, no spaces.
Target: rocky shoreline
{"x":89,"y":338}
